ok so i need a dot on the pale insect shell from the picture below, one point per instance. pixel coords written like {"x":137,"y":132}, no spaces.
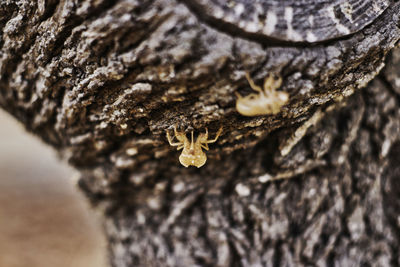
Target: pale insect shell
{"x":267,"y":101}
{"x":193,"y":156}
{"x":192,"y":153}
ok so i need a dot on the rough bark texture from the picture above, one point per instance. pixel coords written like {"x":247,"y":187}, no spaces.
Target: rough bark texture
{"x":102,"y":81}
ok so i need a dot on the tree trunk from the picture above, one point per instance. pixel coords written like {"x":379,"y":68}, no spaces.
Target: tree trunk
{"x":104,"y":81}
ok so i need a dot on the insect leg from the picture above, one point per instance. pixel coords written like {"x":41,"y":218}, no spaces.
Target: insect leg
{"x":216,"y":137}
{"x":252,"y":84}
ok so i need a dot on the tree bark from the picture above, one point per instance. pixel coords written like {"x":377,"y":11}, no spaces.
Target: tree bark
{"x":103,"y":81}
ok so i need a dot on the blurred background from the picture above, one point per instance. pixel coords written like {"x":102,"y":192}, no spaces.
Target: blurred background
{"x":44,"y":220}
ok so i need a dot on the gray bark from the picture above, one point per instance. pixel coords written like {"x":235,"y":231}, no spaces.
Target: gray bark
{"x":102,"y":82}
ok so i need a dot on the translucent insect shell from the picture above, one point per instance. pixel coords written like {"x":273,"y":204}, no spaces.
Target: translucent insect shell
{"x":192,"y":153}
{"x":266,"y":101}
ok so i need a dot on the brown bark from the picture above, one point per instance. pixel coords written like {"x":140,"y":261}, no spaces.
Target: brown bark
{"x":103,"y":81}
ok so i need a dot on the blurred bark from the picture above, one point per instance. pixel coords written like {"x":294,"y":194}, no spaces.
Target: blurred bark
{"x":102,"y":81}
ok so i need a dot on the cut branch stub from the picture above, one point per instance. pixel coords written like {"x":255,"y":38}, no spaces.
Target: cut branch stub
{"x":292,"y":20}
